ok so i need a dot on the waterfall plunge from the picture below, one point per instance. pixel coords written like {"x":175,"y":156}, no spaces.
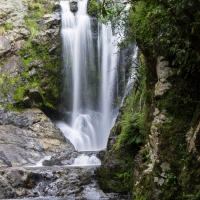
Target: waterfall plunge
{"x":92,"y":112}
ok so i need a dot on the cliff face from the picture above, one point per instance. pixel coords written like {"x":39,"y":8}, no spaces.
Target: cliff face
{"x":164,"y":110}
{"x":29,"y":53}
{"x":29,"y":77}
{"x":153,"y":148}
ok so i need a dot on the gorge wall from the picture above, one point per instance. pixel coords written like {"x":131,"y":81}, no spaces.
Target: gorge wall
{"x":30,"y":53}
{"x":152,"y":150}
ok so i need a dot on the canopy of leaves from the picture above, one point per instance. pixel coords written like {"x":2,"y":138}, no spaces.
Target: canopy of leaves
{"x":170,"y":28}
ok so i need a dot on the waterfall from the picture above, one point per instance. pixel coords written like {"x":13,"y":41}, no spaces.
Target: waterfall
{"x":89,"y":87}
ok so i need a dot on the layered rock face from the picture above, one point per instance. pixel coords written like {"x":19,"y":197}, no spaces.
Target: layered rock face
{"x":28,"y":136}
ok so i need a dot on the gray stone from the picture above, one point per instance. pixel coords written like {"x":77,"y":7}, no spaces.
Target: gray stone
{"x":24,"y":32}
{"x":4,"y":45}
{"x":159,"y":118}
{"x":191,"y":138}
{"x":163,"y":73}
{"x":19,"y":44}
{"x":32,"y":72}
{"x":165,"y":167}
{"x":51,"y":19}
{"x":12,"y":11}
{"x":28,"y":136}
{"x":13,"y":66}
{"x":101,"y":154}
{"x":73,"y":6}
{"x":4,"y":158}
{"x":36,"y":64}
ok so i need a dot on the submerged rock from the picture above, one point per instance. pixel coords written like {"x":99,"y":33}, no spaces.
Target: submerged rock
{"x":74,"y":6}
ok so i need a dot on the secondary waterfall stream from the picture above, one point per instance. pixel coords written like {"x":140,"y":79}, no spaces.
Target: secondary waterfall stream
{"x":91,"y":85}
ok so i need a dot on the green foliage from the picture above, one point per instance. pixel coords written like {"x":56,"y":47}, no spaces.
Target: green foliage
{"x":169,"y":28}
{"x":9,"y":26}
{"x":38,"y":8}
{"x":33,"y":27}
{"x":32,"y":6}
{"x":19,"y":93}
{"x":165,"y":27}
{"x":37,"y":52}
{"x":2,"y":30}
{"x":6,"y":27}
{"x":181,"y":101}
{"x":130,"y":131}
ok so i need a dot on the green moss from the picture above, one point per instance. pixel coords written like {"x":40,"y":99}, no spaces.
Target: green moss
{"x":116,"y":173}
{"x":2,"y":30}
{"x":6,"y":27}
{"x":19,"y":93}
{"x":9,"y":26}
{"x":33,"y":27}
{"x":32,"y":6}
{"x":38,"y":8}
{"x":46,"y":78}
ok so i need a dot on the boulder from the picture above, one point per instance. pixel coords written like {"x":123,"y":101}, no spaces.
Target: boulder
{"x":4,"y":45}
{"x":28,"y":136}
{"x":18,"y":45}
{"x":13,"y":66}
{"x":51,"y":19}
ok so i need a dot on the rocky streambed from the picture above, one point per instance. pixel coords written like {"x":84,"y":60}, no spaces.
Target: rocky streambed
{"x":29,"y":136}
{"x":50,"y":182}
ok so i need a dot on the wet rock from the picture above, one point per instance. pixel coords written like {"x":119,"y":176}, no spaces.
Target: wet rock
{"x":11,"y":182}
{"x":62,"y":182}
{"x":73,"y":6}
{"x":101,"y":154}
{"x":56,"y":7}
{"x":62,"y":158}
{"x":51,"y":183}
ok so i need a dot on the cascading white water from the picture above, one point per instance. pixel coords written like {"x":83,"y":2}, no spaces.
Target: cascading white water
{"x":87,"y":160}
{"x":108,"y":65}
{"x":92,"y":86}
